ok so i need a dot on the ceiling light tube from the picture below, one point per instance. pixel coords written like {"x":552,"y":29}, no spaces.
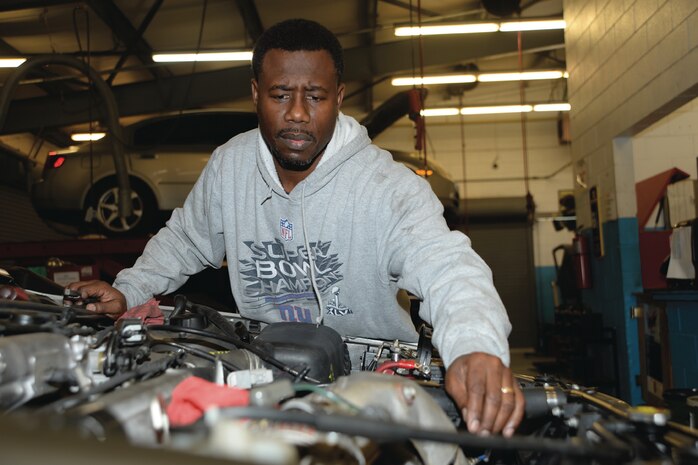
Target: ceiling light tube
{"x":11,"y":62}
{"x":524,"y":76}
{"x":87,"y":136}
{"x":439,"y":112}
{"x":469,"y":28}
{"x":535,"y":25}
{"x":207,"y":56}
{"x":484,"y":77}
{"x":443,"y":79}
{"x":552,"y":107}
{"x":496,"y":109}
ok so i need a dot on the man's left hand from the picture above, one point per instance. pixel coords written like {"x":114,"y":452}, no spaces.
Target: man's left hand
{"x":486,"y":393}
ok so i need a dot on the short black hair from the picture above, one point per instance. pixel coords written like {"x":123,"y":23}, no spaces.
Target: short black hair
{"x":295,"y":35}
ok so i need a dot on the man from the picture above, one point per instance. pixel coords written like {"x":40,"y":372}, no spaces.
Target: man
{"x":319,"y":225}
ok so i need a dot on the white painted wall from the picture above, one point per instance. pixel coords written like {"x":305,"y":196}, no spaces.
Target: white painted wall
{"x":671,"y":142}
{"x":500,"y":141}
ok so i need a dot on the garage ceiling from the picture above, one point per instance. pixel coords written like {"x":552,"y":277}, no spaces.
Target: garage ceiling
{"x":117,"y":38}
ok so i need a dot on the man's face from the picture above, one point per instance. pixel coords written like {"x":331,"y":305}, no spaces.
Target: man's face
{"x":298,"y":100}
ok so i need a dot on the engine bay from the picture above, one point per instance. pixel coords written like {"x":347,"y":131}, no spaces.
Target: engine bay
{"x":191,"y":384}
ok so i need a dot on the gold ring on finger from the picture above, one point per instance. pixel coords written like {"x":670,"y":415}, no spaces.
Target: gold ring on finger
{"x":507,"y":390}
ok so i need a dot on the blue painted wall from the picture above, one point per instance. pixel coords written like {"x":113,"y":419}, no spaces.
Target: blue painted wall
{"x":682,"y":319}
{"x":544,"y":294}
{"x":616,"y":277}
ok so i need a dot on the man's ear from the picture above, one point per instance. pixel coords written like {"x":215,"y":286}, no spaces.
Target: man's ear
{"x":255,"y":91}
{"x":340,"y":95}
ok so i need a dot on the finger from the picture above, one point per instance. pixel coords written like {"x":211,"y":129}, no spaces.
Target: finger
{"x":88,"y":288}
{"x":78,"y":285}
{"x":476,"y":384}
{"x":493,"y":398}
{"x":455,"y":386}
{"x":517,"y":414}
{"x":508,"y":402}
{"x":111,"y":307}
{"x":99,"y":289}
{"x":75,"y":285}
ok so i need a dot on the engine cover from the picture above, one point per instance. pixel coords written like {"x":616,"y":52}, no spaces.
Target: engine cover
{"x":301,"y":345}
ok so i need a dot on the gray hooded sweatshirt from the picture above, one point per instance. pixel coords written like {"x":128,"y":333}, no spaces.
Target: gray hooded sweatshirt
{"x":369,"y":225}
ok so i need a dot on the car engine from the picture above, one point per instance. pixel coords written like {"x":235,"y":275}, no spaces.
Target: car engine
{"x":195,"y":385}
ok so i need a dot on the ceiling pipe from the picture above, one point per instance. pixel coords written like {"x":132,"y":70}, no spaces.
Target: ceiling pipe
{"x":111,"y":118}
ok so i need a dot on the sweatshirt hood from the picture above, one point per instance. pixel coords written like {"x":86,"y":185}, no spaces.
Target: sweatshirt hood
{"x":349,"y":137}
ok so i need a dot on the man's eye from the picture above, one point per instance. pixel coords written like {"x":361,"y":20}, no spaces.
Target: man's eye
{"x":314,"y":98}
{"x":280,"y":97}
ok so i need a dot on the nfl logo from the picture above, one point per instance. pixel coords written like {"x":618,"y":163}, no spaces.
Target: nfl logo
{"x":286,"y":230}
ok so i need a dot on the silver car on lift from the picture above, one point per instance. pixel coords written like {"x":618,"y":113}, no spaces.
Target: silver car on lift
{"x":165,"y":155}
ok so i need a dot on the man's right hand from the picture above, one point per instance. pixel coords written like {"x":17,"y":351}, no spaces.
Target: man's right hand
{"x":110,"y":301}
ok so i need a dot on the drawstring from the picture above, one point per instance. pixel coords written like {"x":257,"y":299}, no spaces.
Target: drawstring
{"x":311,"y":261}
{"x":268,"y":196}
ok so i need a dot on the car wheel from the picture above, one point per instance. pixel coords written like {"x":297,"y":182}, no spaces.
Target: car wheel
{"x":104,"y":210}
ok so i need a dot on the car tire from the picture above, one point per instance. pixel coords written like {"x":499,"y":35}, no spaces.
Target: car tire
{"x":103,"y":210}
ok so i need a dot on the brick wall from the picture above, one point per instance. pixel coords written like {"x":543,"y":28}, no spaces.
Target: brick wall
{"x":631,"y":62}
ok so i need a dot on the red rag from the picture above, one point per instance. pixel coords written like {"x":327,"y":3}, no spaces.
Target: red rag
{"x":148,"y":312}
{"x":193,"y":396}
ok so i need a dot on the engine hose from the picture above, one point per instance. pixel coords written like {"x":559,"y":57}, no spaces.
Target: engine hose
{"x":541,"y":401}
{"x":236,"y":341}
{"x":388,"y":431}
{"x":216,"y":318}
{"x":195,"y":352}
{"x":66,"y":314}
{"x":145,"y":369}
{"x":389,"y":367}
{"x":29,"y":305}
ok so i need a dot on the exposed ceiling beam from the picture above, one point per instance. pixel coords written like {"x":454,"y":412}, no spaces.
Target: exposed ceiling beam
{"x":206,"y":88}
{"x":250,"y":16}
{"x":53,"y":135}
{"x":130,"y":47}
{"x":408,"y":6}
{"x":9,"y":5}
{"x":368,"y":12}
{"x":48,"y":87}
{"x":396,"y":57}
{"x":124,"y":30}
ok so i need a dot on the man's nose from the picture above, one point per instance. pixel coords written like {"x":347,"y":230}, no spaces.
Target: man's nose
{"x":297,"y":111}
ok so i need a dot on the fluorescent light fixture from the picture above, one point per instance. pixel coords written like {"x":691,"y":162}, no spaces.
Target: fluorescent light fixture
{"x":524,"y":76}
{"x":470,"y":28}
{"x":533,"y":25}
{"x":445,"y":79}
{"x":552,"y":107}
{"x":483,"y":77}
{"x":11,"y":62}
{"x":87,"y":136}
{"x":496,"y":109}
{"x":439,"y":112}
{"x":207,"y":56}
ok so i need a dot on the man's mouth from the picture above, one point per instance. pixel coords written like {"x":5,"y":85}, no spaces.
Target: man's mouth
{"x":297,"y":140}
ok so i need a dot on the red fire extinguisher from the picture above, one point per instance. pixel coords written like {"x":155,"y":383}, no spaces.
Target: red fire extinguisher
{"x":582,"y":265}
